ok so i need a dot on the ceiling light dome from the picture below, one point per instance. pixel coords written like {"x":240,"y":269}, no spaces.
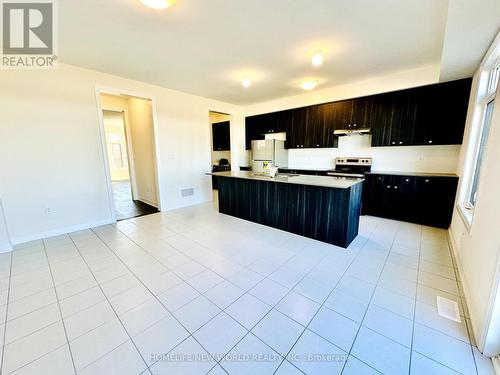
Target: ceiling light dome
{"x":317,"y":58}
{"x":309,"y":85}
{"x":246,"y":82}
{"x":158,"y":4}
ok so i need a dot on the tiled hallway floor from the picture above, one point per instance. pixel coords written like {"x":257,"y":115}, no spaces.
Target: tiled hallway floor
{"x":196,"y":292}
{"x":125,"y":206}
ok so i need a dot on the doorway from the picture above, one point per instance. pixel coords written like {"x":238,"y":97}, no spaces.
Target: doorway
{"x":220,"y":143}
{"x":128,"y":131}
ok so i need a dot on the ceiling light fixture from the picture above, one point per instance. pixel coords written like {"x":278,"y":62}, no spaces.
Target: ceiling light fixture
{"x":158,"y":4}
{"x":317,"y":58}
{"x":309,"y":85}
{"x":246,"y":82}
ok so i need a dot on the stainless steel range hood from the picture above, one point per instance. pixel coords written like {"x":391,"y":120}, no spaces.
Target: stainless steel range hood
{"x":349,"y":132}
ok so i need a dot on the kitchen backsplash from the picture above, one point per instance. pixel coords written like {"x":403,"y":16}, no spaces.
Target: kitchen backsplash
{"x":442,"y":159}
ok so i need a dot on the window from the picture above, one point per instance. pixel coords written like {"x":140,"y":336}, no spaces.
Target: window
{"x":486,"y":104}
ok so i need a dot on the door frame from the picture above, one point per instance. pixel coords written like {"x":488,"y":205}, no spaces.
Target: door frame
{"x":156,"y":152}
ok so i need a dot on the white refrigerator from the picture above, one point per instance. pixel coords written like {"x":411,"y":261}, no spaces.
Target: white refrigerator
{"x":268,"y":153}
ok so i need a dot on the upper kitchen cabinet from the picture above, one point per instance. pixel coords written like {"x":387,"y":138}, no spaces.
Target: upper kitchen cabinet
{"x":297,"y":130}
{"x":442,"y":113}
{"x":256,"y":127}
{"x":253,"y":130}
{"x":429,"y":115}
{"x":393,"y":118}
{"x":221,"y":136}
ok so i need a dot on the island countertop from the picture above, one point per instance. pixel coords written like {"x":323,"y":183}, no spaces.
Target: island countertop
{"x":323,"y":181}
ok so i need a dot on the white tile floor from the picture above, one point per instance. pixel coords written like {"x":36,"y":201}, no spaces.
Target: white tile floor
{"x":196,"y":292}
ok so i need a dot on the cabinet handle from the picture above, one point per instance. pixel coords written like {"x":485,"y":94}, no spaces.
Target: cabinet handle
{"x":426,"y":180}
{"x":400,"y":143}
{"x":407,"y":180}
{"x":393,"y":143}
{"x":317,"y":145}
{"x":430,"y":141}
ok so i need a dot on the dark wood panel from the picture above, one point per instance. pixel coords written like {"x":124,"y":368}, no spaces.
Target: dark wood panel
{"x":221,"y":137}
{"x":428,"y":115}
{"x":325,"y":214}
{"x":422,"y":200}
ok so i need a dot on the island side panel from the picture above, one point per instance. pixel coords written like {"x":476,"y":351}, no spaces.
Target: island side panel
{"x":321,"y":213}
{"x":355,"y":196}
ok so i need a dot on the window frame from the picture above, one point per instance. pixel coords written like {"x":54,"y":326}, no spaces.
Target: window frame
{"x":488,"y":87}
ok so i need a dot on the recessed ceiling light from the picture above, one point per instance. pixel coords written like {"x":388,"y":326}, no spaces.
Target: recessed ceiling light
{"x":158,"y":4}
{"x":309,"y":85}
{"x":317,"y":58}
{"x":246,"y":82}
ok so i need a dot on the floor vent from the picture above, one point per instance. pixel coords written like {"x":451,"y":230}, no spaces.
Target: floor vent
{"x":448,"y":309}
{"x":187,"y":192}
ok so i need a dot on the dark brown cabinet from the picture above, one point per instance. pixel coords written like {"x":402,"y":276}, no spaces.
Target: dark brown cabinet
{"x":426,"y":200}
{"x":428,"y":115}
{"x":221,"y":137}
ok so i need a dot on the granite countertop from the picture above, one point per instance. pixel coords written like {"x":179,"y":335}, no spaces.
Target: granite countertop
{"x":323,"y":181}
{"x":417,"y":174}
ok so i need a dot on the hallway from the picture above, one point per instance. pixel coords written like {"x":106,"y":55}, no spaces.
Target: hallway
{"x":125,"y":206}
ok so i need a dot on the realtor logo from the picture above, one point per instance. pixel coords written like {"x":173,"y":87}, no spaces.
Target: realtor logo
{"x":28,"y":34}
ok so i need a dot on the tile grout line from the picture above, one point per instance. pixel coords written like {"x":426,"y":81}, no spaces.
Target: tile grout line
{"x":6,"y":315}
{"x":223,"y":310}
{"x":58,"y":305}
{"x":415,"y":299}
{"x":107,"y":299}
{"x":154,"y":295}
{"x":320,"y":307}
{"x":371,"y":297}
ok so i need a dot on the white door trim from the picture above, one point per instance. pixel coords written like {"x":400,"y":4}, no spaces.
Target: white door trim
{"x":114,"y":91}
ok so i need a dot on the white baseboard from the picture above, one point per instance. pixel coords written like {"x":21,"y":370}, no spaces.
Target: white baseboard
{"x":466,"y":289}
{"x":59,"y":231}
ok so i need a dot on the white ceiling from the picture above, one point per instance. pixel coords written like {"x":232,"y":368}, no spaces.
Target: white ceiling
{"x":205,"y":47}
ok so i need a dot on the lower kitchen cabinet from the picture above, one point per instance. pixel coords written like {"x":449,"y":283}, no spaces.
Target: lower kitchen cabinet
{"x":426,"y":200}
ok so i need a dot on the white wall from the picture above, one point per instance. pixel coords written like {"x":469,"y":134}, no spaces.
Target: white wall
{"x":51,"y":155}
{"x":407,"y":159}
{"x":144,"y":153}
{"x":5,"y":244}
{"x":378,"y":84}
{"x":477,"y":247}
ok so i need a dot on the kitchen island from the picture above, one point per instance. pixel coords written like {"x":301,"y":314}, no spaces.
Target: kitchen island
{"x":320,"y":207}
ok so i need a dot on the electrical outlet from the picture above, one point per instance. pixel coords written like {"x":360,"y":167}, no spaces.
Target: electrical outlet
{"x":48,"y":210}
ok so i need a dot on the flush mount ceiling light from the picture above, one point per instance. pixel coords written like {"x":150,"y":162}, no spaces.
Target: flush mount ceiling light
{"x":309,"y":85}
{"x":158,"y":4}
{"x":246,"y":82}
{"x":317,"y":58}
